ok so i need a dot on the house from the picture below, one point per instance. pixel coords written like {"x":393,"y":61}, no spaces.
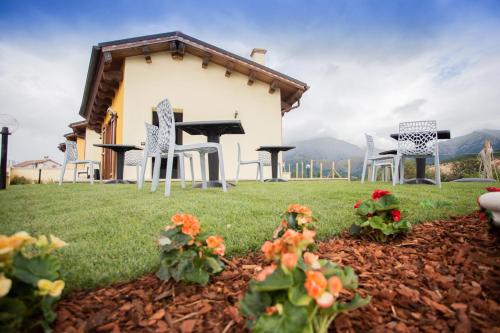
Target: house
{"x":127,"y":78}
{"x":45,"y":163}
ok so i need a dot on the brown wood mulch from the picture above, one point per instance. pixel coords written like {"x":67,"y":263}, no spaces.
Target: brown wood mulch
{"x":443,"y":277}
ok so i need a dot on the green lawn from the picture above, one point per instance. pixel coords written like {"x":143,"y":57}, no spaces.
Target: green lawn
{"x":112,"y":229}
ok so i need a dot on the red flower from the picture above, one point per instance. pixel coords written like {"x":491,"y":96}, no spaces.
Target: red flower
{"x":396,"y":215}
{"x":356,"y":205}
{"x":483,"y":216}
{"x":377,"y":194}
{"x":493,"y":189}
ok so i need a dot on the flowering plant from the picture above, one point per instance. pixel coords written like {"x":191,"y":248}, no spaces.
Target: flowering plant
{"x":298,"y":292}
{"x":187,"y":254}
{"x":380,"y":217}
{"x":296,"y":217}
{"x":29,"y":282}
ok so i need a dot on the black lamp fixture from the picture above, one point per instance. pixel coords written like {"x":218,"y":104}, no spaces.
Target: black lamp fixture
{"x":236,"y":114}
{"x":9,"y":125}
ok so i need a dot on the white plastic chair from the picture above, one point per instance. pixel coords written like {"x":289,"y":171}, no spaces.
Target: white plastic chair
{"x":168,"y":148}
{"x":263,"y":159}
{"x":418,"y":139}
{"x":152,"y":149}
{"x":376,"y":161}
{"x":71,"y":157}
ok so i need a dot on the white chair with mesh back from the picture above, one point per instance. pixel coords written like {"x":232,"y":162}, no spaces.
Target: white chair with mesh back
{"x":134,"y":158}
{"x":152,"y":149}
{"x":168,"y":148}
{"x":263,"y":159}
{"x":71,"y":157}
{"x":418,"y":139}
{"x":376,"y":161}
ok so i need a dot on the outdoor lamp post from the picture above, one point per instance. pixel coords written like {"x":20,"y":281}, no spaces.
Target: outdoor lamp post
{"x":8,"y":124}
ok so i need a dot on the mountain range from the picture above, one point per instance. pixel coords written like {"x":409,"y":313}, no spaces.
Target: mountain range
{"x":328,"y":148}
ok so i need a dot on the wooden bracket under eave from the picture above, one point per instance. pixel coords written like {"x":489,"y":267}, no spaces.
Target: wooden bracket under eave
{"x":107,"y":58}
{"x":115,"y":76}
{"x":273,"y":86}
{"x":206,"y":59}
{"x":251,"y":77}
{"x":147,"y":55}
{"x":177,"y":48}
{"x":229,"y":68}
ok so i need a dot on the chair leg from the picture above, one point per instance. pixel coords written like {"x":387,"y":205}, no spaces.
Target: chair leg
{"x":221,"y":168}
{"x":437,"y":170}
{"x":238,"y":172}
{"x":374,"y":172}
{"x":140,"y":181}
{"x":156,"y":173}
{"x":92,"y":173}
{"x":63,"y":170}
{"x":363,"y":173}
{"x":168,"y":176}
{"x":192,"y":170}
{"x":402,"y":170}
{"x":181,"y":170}
{"x":203,"y":171}
{"x":74,"y":173}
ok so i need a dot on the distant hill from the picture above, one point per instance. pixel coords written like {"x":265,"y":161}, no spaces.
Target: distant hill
{"x":328,"y":148}
{"x":469,"y":144}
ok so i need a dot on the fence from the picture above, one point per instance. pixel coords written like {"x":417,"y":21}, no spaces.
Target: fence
{"x":317,"y":169}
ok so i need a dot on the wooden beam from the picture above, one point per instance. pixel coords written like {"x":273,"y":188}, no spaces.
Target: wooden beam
{"x":113,"y":76}
{"x":103,"y":101}
{"x":108,"y":86}
{"x":181,"y":48}
{"x":106,"y":94}
{"x":251,"y":77}
{"x":229,"y":68}
{"x":273,"y":86}
{"x":295,"y":97}
{"x":147,"y":56}
{"x":178,"y":50}
{"x":206,"y":59}
{"x":107,"y":58}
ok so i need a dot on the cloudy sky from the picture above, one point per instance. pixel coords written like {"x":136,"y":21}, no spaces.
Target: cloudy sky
{"x":370,"y":64}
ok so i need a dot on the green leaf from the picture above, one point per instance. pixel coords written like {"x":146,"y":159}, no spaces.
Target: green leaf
{"x":178,"y":240}
{"x":164,"y":272}
{"x":213,"y":265}
{"x":355,"y":229}
{"x":278,"y":280}
{"x":297,"y":294}
{"x":34,"y":269}
{"x":387,"y":202}
{"x":349,"y":278}
{"x":293,"y":320}
{"x":12,"y":313}
{"x":366,"y":207}
{"x":356,"y":302}
{"x":292,"y":221}
{"x":196,"y":275}
{"x":254,"y":304}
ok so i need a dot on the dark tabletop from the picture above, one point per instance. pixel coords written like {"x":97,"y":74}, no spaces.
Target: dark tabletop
{"x":203,"y":127}
{"x":275,"y":148}
{"x":445,"y":134}
{"x":115,"y":146}
{"x":389,"y":152}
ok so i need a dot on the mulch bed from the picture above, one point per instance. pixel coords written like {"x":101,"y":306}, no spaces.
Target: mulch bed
{"x":443,"y":277}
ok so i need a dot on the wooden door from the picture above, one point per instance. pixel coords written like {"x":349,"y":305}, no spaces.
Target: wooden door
{"x":108,"y":161}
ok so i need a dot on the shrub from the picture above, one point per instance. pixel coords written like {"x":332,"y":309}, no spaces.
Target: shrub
{"x":380,"y":217}
{"x":296,"y":217}
{"x":188,"y":255}
{"x":298,"y":292}
{"x":29,"y":282}
{"x":19,"y":180}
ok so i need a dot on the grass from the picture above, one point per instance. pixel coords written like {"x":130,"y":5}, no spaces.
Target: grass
{"x":112,"y":229}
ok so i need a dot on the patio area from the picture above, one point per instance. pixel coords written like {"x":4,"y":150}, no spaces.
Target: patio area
{"x":112,"y":229}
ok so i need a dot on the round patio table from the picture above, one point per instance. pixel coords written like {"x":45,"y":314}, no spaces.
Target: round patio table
{"x":213,"y":130}
{"x":274,"y":150}
{"x":420,"y":161}
{"x":120,"y":160}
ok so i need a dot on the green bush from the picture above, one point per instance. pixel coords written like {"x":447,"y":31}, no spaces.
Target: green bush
{"x":19,"y":180}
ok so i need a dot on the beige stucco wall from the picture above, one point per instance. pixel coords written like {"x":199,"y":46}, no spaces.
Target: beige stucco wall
{"x":91,"y":152}
{"x":202,"y":94}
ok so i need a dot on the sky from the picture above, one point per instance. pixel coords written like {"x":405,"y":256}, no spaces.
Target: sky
{"x":369,"y":64}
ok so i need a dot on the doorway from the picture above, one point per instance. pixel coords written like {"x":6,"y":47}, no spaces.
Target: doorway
{"x":108,"y":156}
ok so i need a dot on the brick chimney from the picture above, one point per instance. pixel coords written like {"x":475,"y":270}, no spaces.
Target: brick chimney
{"x":259,"y":56}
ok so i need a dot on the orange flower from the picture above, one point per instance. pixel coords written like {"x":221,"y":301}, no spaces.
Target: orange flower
{"x":214,"y":241}
{"x":325,"y":300}
{"x":312,"y":260}
{"x":191,"y":226}
{"x":289,"y":260}
{"x":220,"y":250}
{"x":304,"y":219}
{"x":267,"y":249}
{"x":308,"y":235}
{"x":263,"y":274}
{"x":299,"y":209}
{"x":270,"y":310}
{"x":315,"y":283}
{"x":335,"y":285}
{"x":178,"y":219}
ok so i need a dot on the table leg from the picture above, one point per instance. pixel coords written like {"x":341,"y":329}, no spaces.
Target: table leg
{"x":213,"y":160}
{"x":120,"y":161}
{"x":274,"y":164}
{"x":420,"y":173}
